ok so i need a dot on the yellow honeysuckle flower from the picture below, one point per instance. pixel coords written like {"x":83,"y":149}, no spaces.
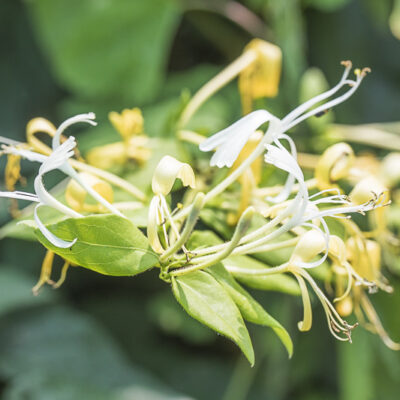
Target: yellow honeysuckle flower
{"x":128,"y":123}
{"x":261,"y":77}
{"x":76,"y":195}
{"x":167,"y":171}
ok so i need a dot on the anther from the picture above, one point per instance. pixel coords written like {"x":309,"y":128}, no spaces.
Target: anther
{"x":346,"y":63}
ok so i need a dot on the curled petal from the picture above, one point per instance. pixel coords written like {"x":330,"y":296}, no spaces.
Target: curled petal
{"x":88,"y":118}
{"x":54,"y":240}
{"x":230,"y":141}
{"x":167,"y":171}
{"x":334,"y":164}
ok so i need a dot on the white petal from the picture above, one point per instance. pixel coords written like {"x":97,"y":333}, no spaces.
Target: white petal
{"x":47,"y":199}
{"x":26,"y":154}
{"x":287,"y":190}
{"x":88,"y":118}
{"x":231,"y":140}
{"x":54,"y":240}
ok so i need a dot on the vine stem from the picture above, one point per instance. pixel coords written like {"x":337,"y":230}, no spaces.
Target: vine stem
{"x":215,"y":84}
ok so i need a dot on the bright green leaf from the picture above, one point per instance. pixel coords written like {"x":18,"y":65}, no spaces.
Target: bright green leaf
{"x":107,"y":244}
{"x":207,"y":301}
{"x":251,"y":310}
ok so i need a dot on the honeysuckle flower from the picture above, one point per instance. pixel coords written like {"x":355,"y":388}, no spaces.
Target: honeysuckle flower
{"x":230,"y":141}
{"x":261,"y":77}
{"x":167,"y":171}
{"x":128,"y":123}
{"x":57,"y":160}
{"x":65,"y":167}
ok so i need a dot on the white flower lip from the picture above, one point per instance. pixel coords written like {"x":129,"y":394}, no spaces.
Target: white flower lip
{"x":167,"y":171}
{"x":230,"y":141}
{"x":57,"y":160}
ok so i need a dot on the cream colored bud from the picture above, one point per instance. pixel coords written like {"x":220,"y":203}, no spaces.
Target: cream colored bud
{"x":308,"y":247}
{"x":344,"y":307}
{"x":390,"y":169}
{"x":76,"y":196}
{"x":108,"y":156}
{"x":128,"y":123}
{"x":334,"y":164}
{"x":167,"y":171}
{"x":337,"y":248}
{"x":367,"y":189}
{"x":261,"y":78}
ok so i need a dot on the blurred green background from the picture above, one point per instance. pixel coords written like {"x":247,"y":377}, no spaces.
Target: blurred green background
{"x":103,"y":337}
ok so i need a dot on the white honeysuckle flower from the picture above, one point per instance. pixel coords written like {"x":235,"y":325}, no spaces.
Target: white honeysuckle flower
{"x":55,"y":161}
{"x":65,"y":166}
{"x":167,"y":171}
{"x":230,"y":141}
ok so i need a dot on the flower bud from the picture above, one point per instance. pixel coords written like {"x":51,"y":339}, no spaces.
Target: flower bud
{"x":308,"y":247}
{"x":334,"y":164}
{"x":366,"y":190}
{"x":344,"y":307}
{"x":167,"y":171}
{"x":76,"y":196}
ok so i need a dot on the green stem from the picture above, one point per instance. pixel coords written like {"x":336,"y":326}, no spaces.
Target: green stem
{"x":215,"y":84}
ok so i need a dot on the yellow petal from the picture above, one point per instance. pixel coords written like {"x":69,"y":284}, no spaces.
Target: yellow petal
{"x":167,"y":171}
{"x":105,"y":157}
{"x":261,"y":78}
{"x":128,"y":123}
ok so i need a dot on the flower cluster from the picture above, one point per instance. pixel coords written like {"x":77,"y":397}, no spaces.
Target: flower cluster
{"x":295,"y":216}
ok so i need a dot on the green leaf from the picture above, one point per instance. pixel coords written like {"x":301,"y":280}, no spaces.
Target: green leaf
{"x":207,"y":301}
{"x":251,"y":310}
{"x":107,"y":244}
{"x":112,"y":48}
